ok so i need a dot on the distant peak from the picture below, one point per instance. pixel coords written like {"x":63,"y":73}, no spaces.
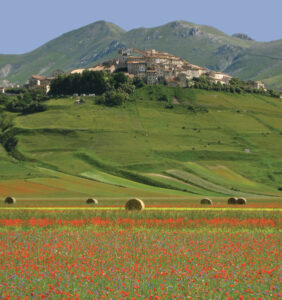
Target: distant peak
{"x":103,"y":23}
{"x":242,"y":36}
{"x":180,"y":23}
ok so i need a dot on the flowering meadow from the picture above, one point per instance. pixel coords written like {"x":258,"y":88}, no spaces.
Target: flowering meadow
{"x":154,"y":254}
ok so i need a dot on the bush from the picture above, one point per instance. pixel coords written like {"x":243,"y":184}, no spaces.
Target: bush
{"x":29,"y":102}
{"x":34,"y":107}
{"x":6,"y":122}
{"x":9,"y":141}
{"x":127,"y":88}
{"x":163,"y":98}
{"x":100,"y":99}
{"x":15,"y":91}
{"x":119,"y":79}
{"x":115,"y":98}
{"x":138,"y":82}
{"x":3,"y":99}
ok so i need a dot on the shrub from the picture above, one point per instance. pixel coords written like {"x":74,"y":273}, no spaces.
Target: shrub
{"x":115,"y":98}
{"x":138,"y":82}
{"x":34,"y":107}
{"x":163,"y":98}
{"x":3,"y":99}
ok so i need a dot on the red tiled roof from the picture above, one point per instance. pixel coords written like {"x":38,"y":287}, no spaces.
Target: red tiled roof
{"x":38,"y":77}
{"x":136,"y":62}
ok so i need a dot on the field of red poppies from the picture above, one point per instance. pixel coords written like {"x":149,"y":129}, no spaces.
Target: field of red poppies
{"x":114,"y":254}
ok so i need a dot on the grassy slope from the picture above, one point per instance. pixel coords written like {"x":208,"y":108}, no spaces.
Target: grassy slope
{"x":126,"y":148}
{"x":260,"y":61}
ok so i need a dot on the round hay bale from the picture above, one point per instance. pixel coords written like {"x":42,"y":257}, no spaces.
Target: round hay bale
{"x":134,"y":204}
{"x":10,"y":200}
{"x":92,"y":201}
{"x":232,"y":200}
{"x":206,"y":201}
{"x":241,"y":201}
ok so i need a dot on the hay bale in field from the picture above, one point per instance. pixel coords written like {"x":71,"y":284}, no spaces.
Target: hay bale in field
{"x":134,"y":204}
{"x":10,"y":200}
{"x":242,"y":201}
{"x":206,"y":201}
{"x":92,"y":201}
{"x":232,"y":200}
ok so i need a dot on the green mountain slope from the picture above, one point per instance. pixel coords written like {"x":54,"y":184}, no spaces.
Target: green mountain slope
{"x":144,"y":149}
{"x":202,"y":45}
{"x":262,"y":61}
{"x":75,"y":49}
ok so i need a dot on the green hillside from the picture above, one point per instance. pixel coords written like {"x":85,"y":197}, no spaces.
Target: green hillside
{"x":201,"y":45}
{"x":78,"y":48}
{"x":232,"y":147}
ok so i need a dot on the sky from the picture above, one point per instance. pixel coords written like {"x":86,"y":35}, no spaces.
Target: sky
{"x":28,"y":24}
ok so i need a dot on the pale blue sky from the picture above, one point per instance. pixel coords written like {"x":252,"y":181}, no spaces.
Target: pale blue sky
{"x":27,"y":24}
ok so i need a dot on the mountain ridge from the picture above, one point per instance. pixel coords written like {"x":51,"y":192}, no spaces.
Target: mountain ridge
{"x":199,"y":44}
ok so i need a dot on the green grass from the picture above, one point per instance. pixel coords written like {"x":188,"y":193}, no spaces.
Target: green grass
{"x":130,"y":150}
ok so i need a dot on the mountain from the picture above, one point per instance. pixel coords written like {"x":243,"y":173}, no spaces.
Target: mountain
{"x":237,"y":55}
{"x":78,"y":48}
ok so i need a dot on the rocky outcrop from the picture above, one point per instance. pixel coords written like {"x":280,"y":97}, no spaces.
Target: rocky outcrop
{"x":242,"y":36}
{"x":6,"y":83}
{"x":5,"y":71}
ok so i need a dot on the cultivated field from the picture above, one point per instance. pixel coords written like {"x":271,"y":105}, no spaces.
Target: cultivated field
{"x":56,"y":246}
{"x":226,"y":145}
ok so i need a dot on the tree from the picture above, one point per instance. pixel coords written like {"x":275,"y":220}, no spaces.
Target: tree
{"x":115,"y":98}
{"x":138,"y":82}
{"x":119,"y":79}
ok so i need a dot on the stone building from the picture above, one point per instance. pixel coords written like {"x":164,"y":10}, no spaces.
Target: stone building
{"x":152,"y":77}
{"x":216,"y":77}
{"x":137,"y":67}
{"x":40,"y":83}
{"x":122,"y":58}
{"x":2,"y":90}
{"x":257,"y":84}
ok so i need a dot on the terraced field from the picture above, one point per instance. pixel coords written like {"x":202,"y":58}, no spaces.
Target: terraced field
{"x":144,"y":149}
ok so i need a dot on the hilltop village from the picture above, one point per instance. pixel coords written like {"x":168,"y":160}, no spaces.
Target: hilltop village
{"x":152,"y":66}
{"x":156,"y":67}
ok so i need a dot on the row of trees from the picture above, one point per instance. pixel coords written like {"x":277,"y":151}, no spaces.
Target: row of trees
{"x":111,"y":89}
{"x":115,"y":88}
{"x":235,"y":86}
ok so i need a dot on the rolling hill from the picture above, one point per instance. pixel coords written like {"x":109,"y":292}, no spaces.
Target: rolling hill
{"x":142,"y":148}
{"x":201,"y":45}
